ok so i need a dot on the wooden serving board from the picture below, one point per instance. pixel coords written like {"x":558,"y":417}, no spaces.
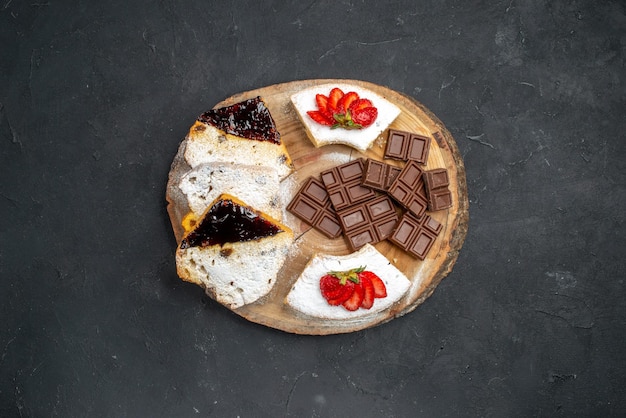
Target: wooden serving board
{"x":310,"y":161}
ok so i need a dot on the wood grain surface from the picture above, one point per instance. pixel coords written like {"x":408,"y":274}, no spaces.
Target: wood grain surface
{"x":310,"y":161}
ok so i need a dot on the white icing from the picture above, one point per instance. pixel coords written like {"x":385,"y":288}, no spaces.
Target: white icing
{"x":360,"y":139}
{"x":306,"y":297}
{"x":258,"y":186}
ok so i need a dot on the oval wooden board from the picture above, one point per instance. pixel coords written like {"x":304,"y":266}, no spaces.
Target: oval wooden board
{"x":310,"y":161}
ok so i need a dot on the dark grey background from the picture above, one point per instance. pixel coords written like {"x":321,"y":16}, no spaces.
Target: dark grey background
{"x":94,"y":99}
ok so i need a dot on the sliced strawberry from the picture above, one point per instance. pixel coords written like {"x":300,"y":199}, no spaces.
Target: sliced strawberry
{"x":330,"y":287}
{"x":345,"y":294}
{"x":334,"y":291}
{"x":368,"y":292}
{"x":320,"y":118}
{"x":333,"y":99}
{"x":365,"y":117}
{"x":347,"y":111}
{"x":359,"y":104}
{"x":354,"y":302}
{"x":322,"y":105}
{"x":380,"y":290}
{"x":346,"y":101}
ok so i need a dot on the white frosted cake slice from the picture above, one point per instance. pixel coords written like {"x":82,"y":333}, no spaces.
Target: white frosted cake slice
{"x":334,"y":129}
{"x":258,"y":186}
{"x":306,"y":296}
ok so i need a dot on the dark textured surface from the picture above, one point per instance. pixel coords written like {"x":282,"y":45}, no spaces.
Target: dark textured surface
{"x":94,"y":99}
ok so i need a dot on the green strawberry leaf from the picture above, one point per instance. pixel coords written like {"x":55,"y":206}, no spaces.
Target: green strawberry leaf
{"x":344,"y":120}
{"x":344,"y":276}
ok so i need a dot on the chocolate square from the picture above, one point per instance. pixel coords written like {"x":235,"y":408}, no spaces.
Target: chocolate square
{"x":343,"y":184}
{"x":408,"y":189}
{"x":436,"y":178}
{"x":441,"y":141}
{"x":416,"y":236}
{"x":418,"y":148}
{"x":368,"y":222}
{"x":312,"y":204}
{"x":436,"y":183}
{"x":403,"y":145}
{"x":397,"y":144}
{"x":378,"y":175}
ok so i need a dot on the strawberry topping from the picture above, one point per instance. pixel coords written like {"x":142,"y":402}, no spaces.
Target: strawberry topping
{"x":352,"y":289}
{"x":365,"y":116}
{"x":380,"y":290}
{"x":368,"y":292}
{"x":335,"y":292}
{"x":343,"y":110}
{"x":356,"y":299}
{"x":346,"y":101}
{"x":322,"y":105}
{"x":320,"y":117}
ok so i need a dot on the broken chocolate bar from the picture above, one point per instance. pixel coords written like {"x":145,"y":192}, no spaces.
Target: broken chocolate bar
{"x":416,"y":236}
{"x":369,"y":222}
{"x":343,"y":184}
{"x":378,"y":175}
{"x":436,"y":183}
{"x":441,"y":141}
{"x":408,"y":189}
{"x":402,"y":145}
{"x":312,"y":205}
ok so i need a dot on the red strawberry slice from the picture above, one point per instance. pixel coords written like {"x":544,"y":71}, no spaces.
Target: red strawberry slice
{"x":368,"y":292}
{"x":320,"y":118}
{"x":339,"y":110}
{"x":346,"y":101}
{"x":354,"y":302}
{"x":334,"y":291}
{"x":322,"y":105}
{"x":330,"y":286}
{"x":380,"y":290}
{"x":333,"y":99}
{"x":359,"y":104}
{"x":365,"y":117}
{"x":353,"y":289}
{"x":344,"y":295}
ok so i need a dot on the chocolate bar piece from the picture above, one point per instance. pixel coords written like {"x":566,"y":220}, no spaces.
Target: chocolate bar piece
{"x":441,"y":141}
{"x":436,"y":183}
{"x":416,"y":236}
{"x":312,"y":205}
{"x":409,"y":191}
{"x":343,"y":184}
{"x":378,"y":175}
{"x":402,"y":145}
{"x":369,"y":222}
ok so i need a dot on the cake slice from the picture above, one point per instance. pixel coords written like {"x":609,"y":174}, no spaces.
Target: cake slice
{"x":234,"y":252}
{"x":259,"y":186}
{"x":332,"y":125}
{"x":306,"y":295}
{"x":243,"y":133}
